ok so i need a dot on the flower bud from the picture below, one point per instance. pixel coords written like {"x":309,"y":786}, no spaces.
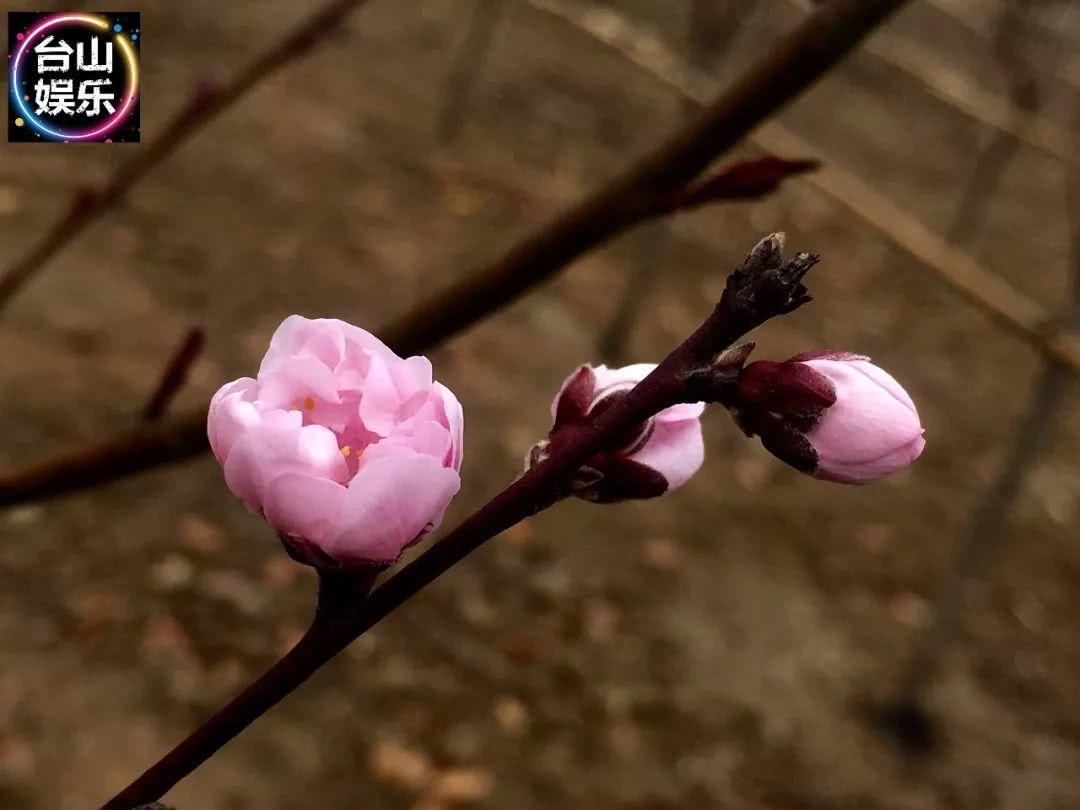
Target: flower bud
{"x":833,"y":415}
{"x":654,"y":458}
{"x":350,"y":452}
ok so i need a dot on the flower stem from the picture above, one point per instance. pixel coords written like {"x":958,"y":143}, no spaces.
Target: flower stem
{"x":340,"y":592}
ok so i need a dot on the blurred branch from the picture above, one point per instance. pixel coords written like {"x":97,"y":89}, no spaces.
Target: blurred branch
{"x":206,"y":103}
{"x":783,"y":72}
{"x":984,"y":26}
{"x":169,"y":442}
{"x":959,"y":92}
{"x":764,"y":287}
{"x":904,"y":715}
{"x":175,"y":374}
{"x":1003,"y":302}
{"x":468,"y":61}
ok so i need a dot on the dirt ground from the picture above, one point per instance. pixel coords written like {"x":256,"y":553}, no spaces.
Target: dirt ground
{"x":716,"y":648}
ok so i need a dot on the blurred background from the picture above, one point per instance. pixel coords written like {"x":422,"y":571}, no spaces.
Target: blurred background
{"x":727,"y":646}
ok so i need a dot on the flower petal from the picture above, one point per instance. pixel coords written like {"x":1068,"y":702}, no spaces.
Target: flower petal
{"x":676,"y":450}
{"x":392,"y":499}
{"x":304,"y":506}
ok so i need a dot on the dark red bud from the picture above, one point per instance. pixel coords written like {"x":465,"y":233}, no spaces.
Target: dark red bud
{"x":787,"y":443}
{"x":787,"y":389}
{"x":620,"y":480}
{"x":575,"y":398}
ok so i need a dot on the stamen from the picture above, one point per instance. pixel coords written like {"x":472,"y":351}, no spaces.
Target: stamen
{"x":346,"y":451}
{"x":309,"y":404}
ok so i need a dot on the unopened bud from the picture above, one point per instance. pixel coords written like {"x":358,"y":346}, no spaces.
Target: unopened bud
{"x":833,"y":415}
{"x":652,"y":459}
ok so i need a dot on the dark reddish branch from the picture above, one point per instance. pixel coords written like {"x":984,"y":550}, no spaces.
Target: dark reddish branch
{"x":795,"y":63}
{"x":764,"y":287}
{"x":207,"y":101}
{"x":175,"y":374}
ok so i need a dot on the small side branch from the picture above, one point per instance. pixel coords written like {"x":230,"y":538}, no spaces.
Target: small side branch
{"x":206,"y":103}
{"x":175,"y":374}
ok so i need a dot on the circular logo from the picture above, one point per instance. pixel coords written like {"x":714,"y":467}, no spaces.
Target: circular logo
{"x":74,"y":77}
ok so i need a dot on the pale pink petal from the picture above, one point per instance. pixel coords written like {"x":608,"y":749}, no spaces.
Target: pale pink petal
{"x":290,"y":384}
{"x":282,"y":342}
{"x":379,"y":402}
{"x":886,"y":381}
{"x":411,"y":376}
{"x":243,"y":472}
{"x":866,"y":472}
{"x":866,"y":422}
{"x":676,"y":450}
{"x":304,"y":506}
{"x":231,"y":412}
{"x":389,"y":503}
{"x":455,"y":422}
{"x":623,"y":377}
{"x":429,"y":438}
{"x":681,"y":412}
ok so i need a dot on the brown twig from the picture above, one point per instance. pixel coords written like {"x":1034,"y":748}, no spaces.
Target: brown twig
{"x":761,"y":289}
{"x":175,"y":374}
{"x":787,"y":69}
{"x":205,"y":104}
{"x":468,"y":61}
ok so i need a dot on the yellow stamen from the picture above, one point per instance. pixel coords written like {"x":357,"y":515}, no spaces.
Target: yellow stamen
{"x":346,"y":451}
{"x":309,"y":404}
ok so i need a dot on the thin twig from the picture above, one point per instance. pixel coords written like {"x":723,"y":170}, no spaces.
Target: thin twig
{"x":787,"y":69}
{"x":174,"y":374}
{"x":468,"y":62}
{"x":206,"y":103}
{"x":1004,"y":303}
{"x":762,"y":289}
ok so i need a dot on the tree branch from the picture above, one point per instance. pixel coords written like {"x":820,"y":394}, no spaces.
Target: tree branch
{"x":762,"y":289}
{"x":206,"y":103}
{"x":796,"y":62}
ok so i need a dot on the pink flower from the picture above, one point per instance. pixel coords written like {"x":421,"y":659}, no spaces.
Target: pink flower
{"x":349,"y":451}
{"x":834,"y":415}
{"x":657,"y":457}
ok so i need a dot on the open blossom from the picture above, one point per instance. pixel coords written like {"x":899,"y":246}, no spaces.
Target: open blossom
{"x":657,"y":457}
{"x":834,"y":415}
{"x":349,"y":451}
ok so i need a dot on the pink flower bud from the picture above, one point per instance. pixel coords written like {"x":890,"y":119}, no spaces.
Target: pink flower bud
{"x":657,"y":457}
{"x":834,"y":415}
{"x":349,"y":451}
